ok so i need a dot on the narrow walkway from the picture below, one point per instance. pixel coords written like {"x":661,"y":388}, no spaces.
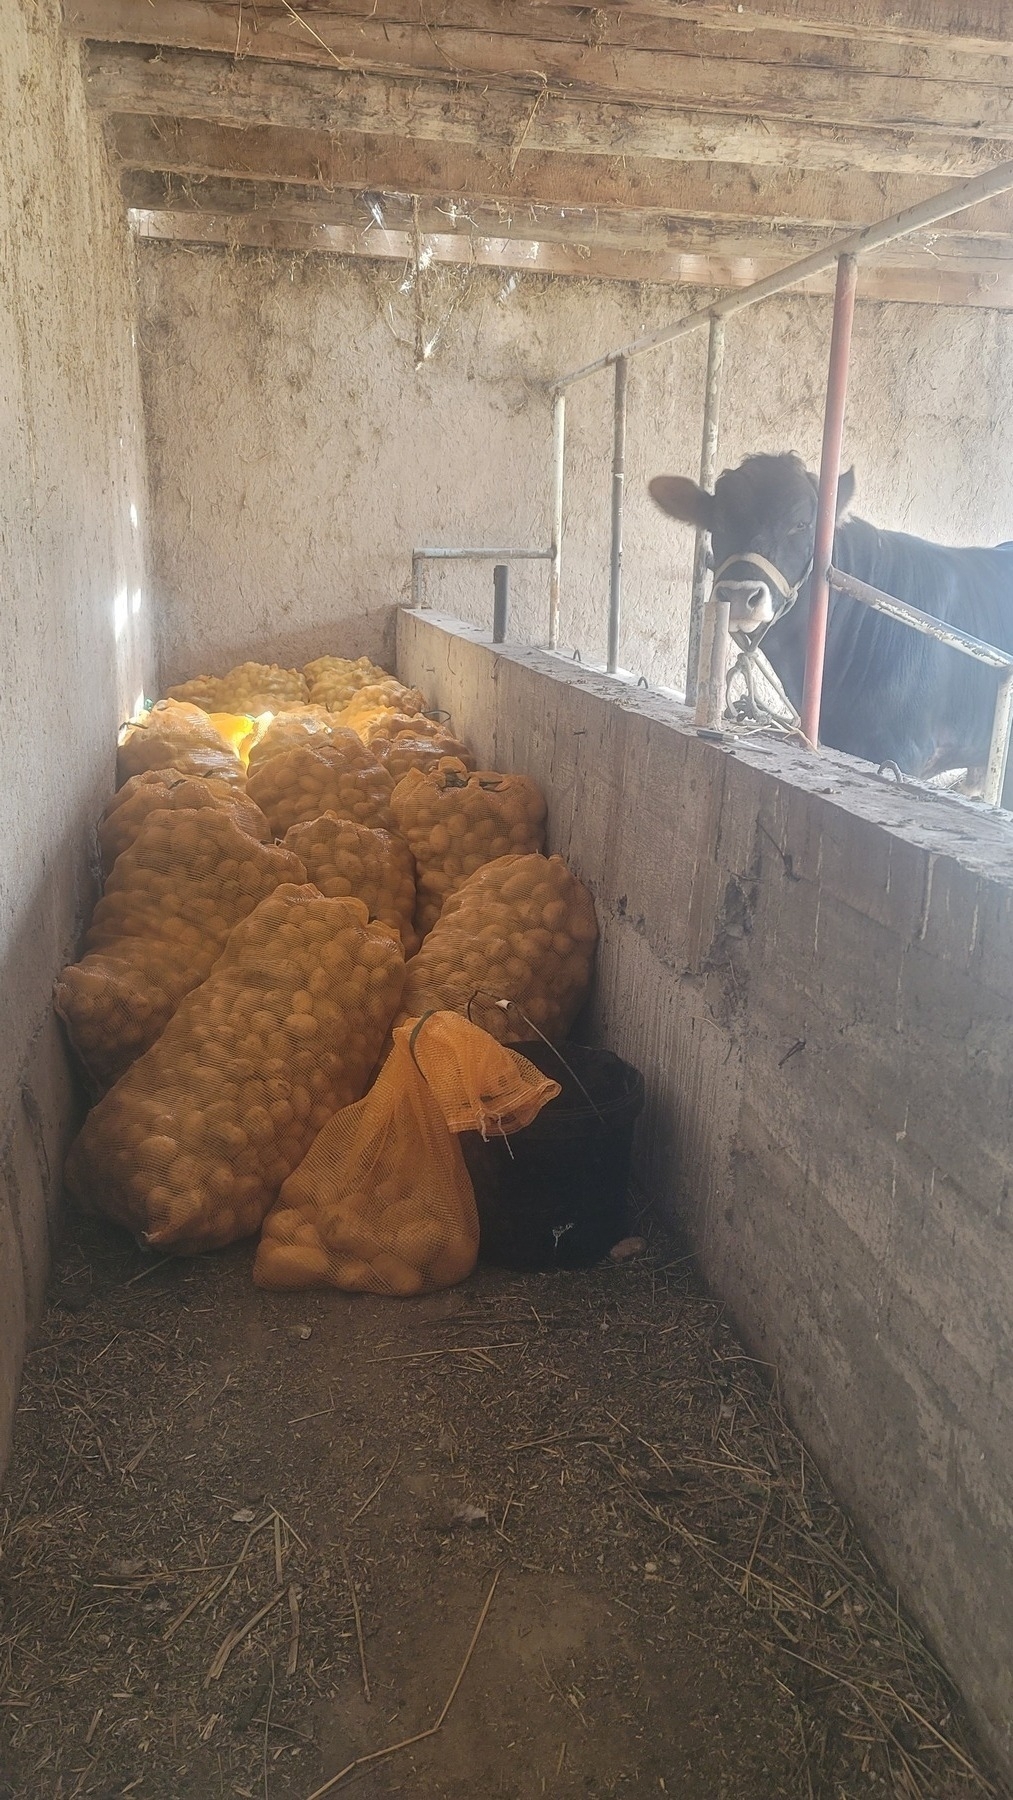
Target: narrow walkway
{"x":230,"y":1513}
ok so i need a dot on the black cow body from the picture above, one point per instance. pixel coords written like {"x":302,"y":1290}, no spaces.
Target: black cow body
{"x":889,"y":693}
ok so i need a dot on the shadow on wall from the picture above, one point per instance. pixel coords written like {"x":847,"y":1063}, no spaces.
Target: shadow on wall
{"x":371,"y":634}
{"x":41,"y":1111}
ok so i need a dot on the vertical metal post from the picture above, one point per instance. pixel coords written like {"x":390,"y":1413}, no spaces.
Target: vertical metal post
{"x":618,"y":490}
{"x":826,"y":509}
{"x":708,"y":471}
{"x":500,"y":602}
{"x":995,"y":772}
{"x":556,"y":565}
{"x":416,"y":579}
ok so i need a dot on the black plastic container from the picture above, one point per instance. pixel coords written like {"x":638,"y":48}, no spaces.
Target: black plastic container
{"x":554,"y":1195}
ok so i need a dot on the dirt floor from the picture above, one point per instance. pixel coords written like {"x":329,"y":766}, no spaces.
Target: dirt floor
{"x":250,"y":1539}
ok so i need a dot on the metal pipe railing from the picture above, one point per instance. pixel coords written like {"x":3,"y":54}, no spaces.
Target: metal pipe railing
{"x":826,"y":505}
{"x":708,"y":472}
{"x":419,"y":557}
{"x":955,"y":639}
{"x":556,"y":568}
{"x":915,"y":218}
{"x":618,"y":495}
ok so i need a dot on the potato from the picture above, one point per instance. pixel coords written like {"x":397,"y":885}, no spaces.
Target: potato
{"x":252,"y":688}
{"x":455,"y":821}
{"x":190,"y":1149}
{"x":169,"y":905}
{"x":333,"y":680}
{"x":159,"y":789}
{"x":341,"y":777}
{"x":179,"y":736}
{"x":299,"y":728}
{"x":385,"y":1188}
{"x":490,"y":945}
{"x":344,"y":859}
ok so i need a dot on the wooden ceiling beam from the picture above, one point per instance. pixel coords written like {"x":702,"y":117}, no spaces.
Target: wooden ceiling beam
{"x":236,"y":232}
{"x":131,"y":78}
{"x":959,"y":25}
{"x":598,"y":32}
{"x":716,"y":191}
{"x":810,"y":93}
{"x":585,"y":229}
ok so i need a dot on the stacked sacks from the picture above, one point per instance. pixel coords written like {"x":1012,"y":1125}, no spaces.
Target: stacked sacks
{"x":175,"y":735}
{"x":522,"y":930}
{"x":191,"y":1147}
{"x":168,"y":908}
{"x":342,"y":777}
{"x":401,"y":743}
{"x":378,"y":701}
{"x":169,"y":789}
{"x":301,"y":728}
{"x":249,"y":688}
{"x":345,"y":860}
{"x":456,"y":821}
{"x":333,"y":680}
{"x":383,"y":1202}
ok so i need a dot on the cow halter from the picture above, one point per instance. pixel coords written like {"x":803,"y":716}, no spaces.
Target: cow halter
{"x":789,"y":593}
{"x":750,"y":657}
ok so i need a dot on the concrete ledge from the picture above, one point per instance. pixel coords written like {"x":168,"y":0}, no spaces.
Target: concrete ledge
{"x":813,"y":967}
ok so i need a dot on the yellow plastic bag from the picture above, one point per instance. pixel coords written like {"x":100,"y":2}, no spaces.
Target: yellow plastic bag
{"x":455,"y":821}
{"x":383,"y":1203}
{"x":178,"y":736}
{"x":521,"y":930}
{"x":191,"y":1147}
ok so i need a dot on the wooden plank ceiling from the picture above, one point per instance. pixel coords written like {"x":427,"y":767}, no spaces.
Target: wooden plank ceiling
{"x":695,"y":141}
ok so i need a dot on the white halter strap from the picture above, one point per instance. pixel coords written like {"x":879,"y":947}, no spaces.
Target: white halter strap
{"x":774,"y":576}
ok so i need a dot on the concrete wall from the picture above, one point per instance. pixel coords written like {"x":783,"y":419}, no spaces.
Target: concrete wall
{"x":73,"y":622}
{"x":298,"y":455}
{"x":814,"y":970}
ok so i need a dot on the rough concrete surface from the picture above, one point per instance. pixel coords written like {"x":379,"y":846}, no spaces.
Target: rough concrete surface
{"x":298,"y":455}
{"x":73,"y":624}
{"x":814,"y":970}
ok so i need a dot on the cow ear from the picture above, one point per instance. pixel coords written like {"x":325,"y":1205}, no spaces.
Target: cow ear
{"x":682,"y":499}
{"x":845,"y":492}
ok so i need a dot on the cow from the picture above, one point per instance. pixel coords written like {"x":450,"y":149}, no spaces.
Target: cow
{"x":890,"y":694}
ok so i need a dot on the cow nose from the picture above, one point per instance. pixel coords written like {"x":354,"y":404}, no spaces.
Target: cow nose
{"x":756,"y":599}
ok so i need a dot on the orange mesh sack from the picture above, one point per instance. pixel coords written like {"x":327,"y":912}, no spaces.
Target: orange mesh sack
{"x":400,"y":744}
{"x":169,"y":905}
{"x":301,"y":728}
{"x":191,"y":1147}
{"x":249,"y":688}
{"x":342,"y":777}
{"x":455,"y":821}
{"x":332,"y":680}
{"x":345,"y":860}
{"x":383,"y":1203}
{"x":174,"y":735}
{"x":378,"y":700}
{"x":158,"y":789}
{"x":521,"y":930}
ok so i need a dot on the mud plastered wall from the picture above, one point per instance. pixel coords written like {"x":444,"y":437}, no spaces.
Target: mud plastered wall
{"x":74,"y":621}
{"x":298,"y":455}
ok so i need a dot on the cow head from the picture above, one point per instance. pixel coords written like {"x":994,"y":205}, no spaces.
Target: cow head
{"x":762,"y":521}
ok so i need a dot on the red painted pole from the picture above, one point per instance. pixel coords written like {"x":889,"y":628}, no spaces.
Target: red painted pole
{"x":826,"y":509}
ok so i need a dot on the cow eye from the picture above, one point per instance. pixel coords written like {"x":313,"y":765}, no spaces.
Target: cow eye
{"x":794,"y":530}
